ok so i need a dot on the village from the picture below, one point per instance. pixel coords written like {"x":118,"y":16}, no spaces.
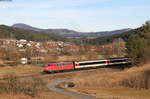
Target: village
{"x":12,"y":49}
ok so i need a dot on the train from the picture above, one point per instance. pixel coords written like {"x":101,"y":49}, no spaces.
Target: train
{"x":52,"y":67}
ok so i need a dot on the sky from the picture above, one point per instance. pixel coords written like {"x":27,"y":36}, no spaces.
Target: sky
{"x":79,"y":15}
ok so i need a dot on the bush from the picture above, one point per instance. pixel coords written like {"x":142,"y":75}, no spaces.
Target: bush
{"x":27,"y":86}
{"x":138,"y":81}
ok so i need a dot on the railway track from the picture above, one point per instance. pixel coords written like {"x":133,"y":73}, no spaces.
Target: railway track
{"x":47,"y":74}
{"x":44,"y":74}
{"x":87,"y":65}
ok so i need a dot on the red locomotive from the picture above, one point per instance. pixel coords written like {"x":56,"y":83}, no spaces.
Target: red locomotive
{"x":59,"y":66}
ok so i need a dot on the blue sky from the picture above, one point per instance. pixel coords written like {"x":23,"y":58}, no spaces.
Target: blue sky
{"x":80,"y":15}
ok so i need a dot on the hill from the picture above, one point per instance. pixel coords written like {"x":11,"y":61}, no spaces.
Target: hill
{"x":11,"y":32}
{"x":71,"y":33}
{"x":124,"y":35}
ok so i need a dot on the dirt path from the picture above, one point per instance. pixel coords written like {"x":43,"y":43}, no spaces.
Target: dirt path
{"x":54,"y":87}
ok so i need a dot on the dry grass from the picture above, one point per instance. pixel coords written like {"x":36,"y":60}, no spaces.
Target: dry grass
{"x":42,"y":95}
{"x":28,"y":86}
{"x":113,"y":93}
{"x":136,"y":77}
{"x":20,"y":70}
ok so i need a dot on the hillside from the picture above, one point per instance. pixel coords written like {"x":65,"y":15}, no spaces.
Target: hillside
{"x":137,"y":43}
{"x":71,"y":33}
{"x":10,"y":32}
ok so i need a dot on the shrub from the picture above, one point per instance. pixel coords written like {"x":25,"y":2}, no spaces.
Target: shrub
{"x":29,"y":86}
{"x":138,"y":81}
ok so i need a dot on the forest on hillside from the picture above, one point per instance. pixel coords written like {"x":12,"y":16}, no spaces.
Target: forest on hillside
{"x":138,"y":44}
{"x":15,"y":33}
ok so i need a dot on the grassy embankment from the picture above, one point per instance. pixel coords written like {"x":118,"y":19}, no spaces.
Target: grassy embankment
{"x":130,"y":83}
